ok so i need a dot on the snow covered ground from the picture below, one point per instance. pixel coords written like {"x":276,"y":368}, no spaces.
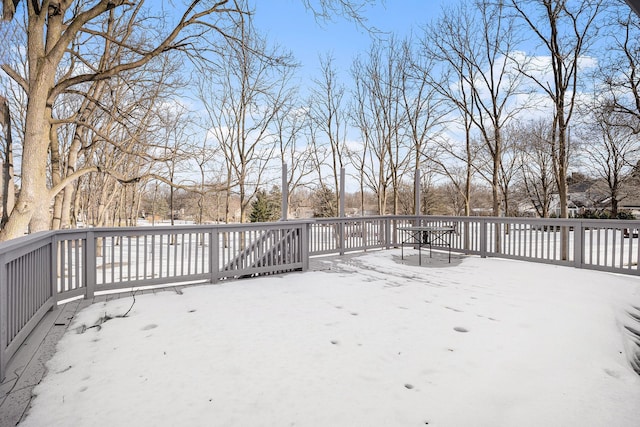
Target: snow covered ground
{"x":371,"y":341}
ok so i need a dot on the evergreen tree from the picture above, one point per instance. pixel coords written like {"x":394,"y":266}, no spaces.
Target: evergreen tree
{"x":324,"y":203}
{"x":263,"y":208}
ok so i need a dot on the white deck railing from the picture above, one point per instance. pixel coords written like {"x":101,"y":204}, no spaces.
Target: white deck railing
{"x":40,"y":270}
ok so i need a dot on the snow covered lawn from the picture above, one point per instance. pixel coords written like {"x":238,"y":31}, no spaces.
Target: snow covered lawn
{"x":370,"y":342}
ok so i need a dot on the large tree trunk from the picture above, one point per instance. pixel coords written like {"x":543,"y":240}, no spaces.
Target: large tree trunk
{"x":31,"y":211}
{"x":56,"y":176}
{"x":563,"y":188}
{"x":67,"y":195}
{"x":8,"y":187}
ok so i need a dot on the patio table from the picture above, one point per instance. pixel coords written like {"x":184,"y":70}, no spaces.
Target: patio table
{"x":427,"y":235}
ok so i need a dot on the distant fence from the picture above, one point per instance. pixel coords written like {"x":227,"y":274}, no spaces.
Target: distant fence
{"x":40,"y":270}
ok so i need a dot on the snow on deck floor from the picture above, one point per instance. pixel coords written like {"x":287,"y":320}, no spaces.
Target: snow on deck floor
{"x":486,"y":342}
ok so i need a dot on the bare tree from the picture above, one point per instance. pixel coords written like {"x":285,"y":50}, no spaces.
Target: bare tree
{"x":478,"y":41}
{"x":120,"y":138}
{"x":565,"y":30}
{"x":443,"y":41}
{"x":621,"y":73}
{"x":204,"y":155}
{"x":359,"y":156}
{"x":242,"y":96}
{"x":10,"y":122}
{"x":51,"y":30}
{"x":325,"y":10}
{"x":509,"y":167}
{"x":382,"y":117}
{"x":424,"y":107}
{"x":327,"y":112}
{"x":611,"y":149}
{"x":456,"y":162}
{"x":81,"y":117}
{"x":536,"y":165}
{"x":174,"y":138}
{"x":290,"y":124}
{"x":7,"y":190}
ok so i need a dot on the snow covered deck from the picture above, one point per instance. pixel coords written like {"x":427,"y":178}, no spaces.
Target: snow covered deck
{"x":359,"y":340}
{"x":27,"y":367}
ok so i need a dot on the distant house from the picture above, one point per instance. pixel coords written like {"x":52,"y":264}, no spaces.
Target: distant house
{"x":593,"y":196}
{"x":589,"y":195}
{"x":554,"y":206}
{"x":631,"y":203}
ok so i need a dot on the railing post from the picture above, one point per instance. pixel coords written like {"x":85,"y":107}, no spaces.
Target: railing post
{"x":578,"y":244}
{"x":416,"y":193}
{"x":214,"y":255}
{"x":285,"y":193}
{"x":341,"y":200}
{"x":54,"y":269}
{"x":4,"y":321}
{"x":387,"y":232}
{"x":305,"y":231}
{"x":90,"y":265}
{"x":483,"y":238}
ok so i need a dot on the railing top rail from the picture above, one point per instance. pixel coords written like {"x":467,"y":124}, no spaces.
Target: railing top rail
{"x":27,"y":240}
{"x":159,"y":229}
{"x":550,"y":221}
{"x":555,"y":220}
{"x":357,"y":218}
{"x":162,"y":229}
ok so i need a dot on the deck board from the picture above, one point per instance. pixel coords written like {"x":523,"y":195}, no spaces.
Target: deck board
{"x":28,"y":366}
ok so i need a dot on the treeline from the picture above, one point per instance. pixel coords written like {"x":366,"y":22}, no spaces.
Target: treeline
{"x":502,"y":97}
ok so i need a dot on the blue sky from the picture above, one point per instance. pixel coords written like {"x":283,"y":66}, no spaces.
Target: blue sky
{"x":289,"y":24}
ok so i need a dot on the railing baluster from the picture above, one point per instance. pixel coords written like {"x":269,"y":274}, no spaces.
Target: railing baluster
{"x":63,"y":265}
{"x":630,"y":246}
{"x":188,"y":247}
{"x":128,"y":256}
{"x":606,"y":246}
{"x":620,"y":233}
{"x":79,"y":251}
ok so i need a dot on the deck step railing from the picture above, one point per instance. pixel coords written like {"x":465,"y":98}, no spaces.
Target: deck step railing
{"x":41,"y":270}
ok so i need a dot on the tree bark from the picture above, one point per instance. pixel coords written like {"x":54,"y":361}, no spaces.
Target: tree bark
{"x":8,"y":187}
